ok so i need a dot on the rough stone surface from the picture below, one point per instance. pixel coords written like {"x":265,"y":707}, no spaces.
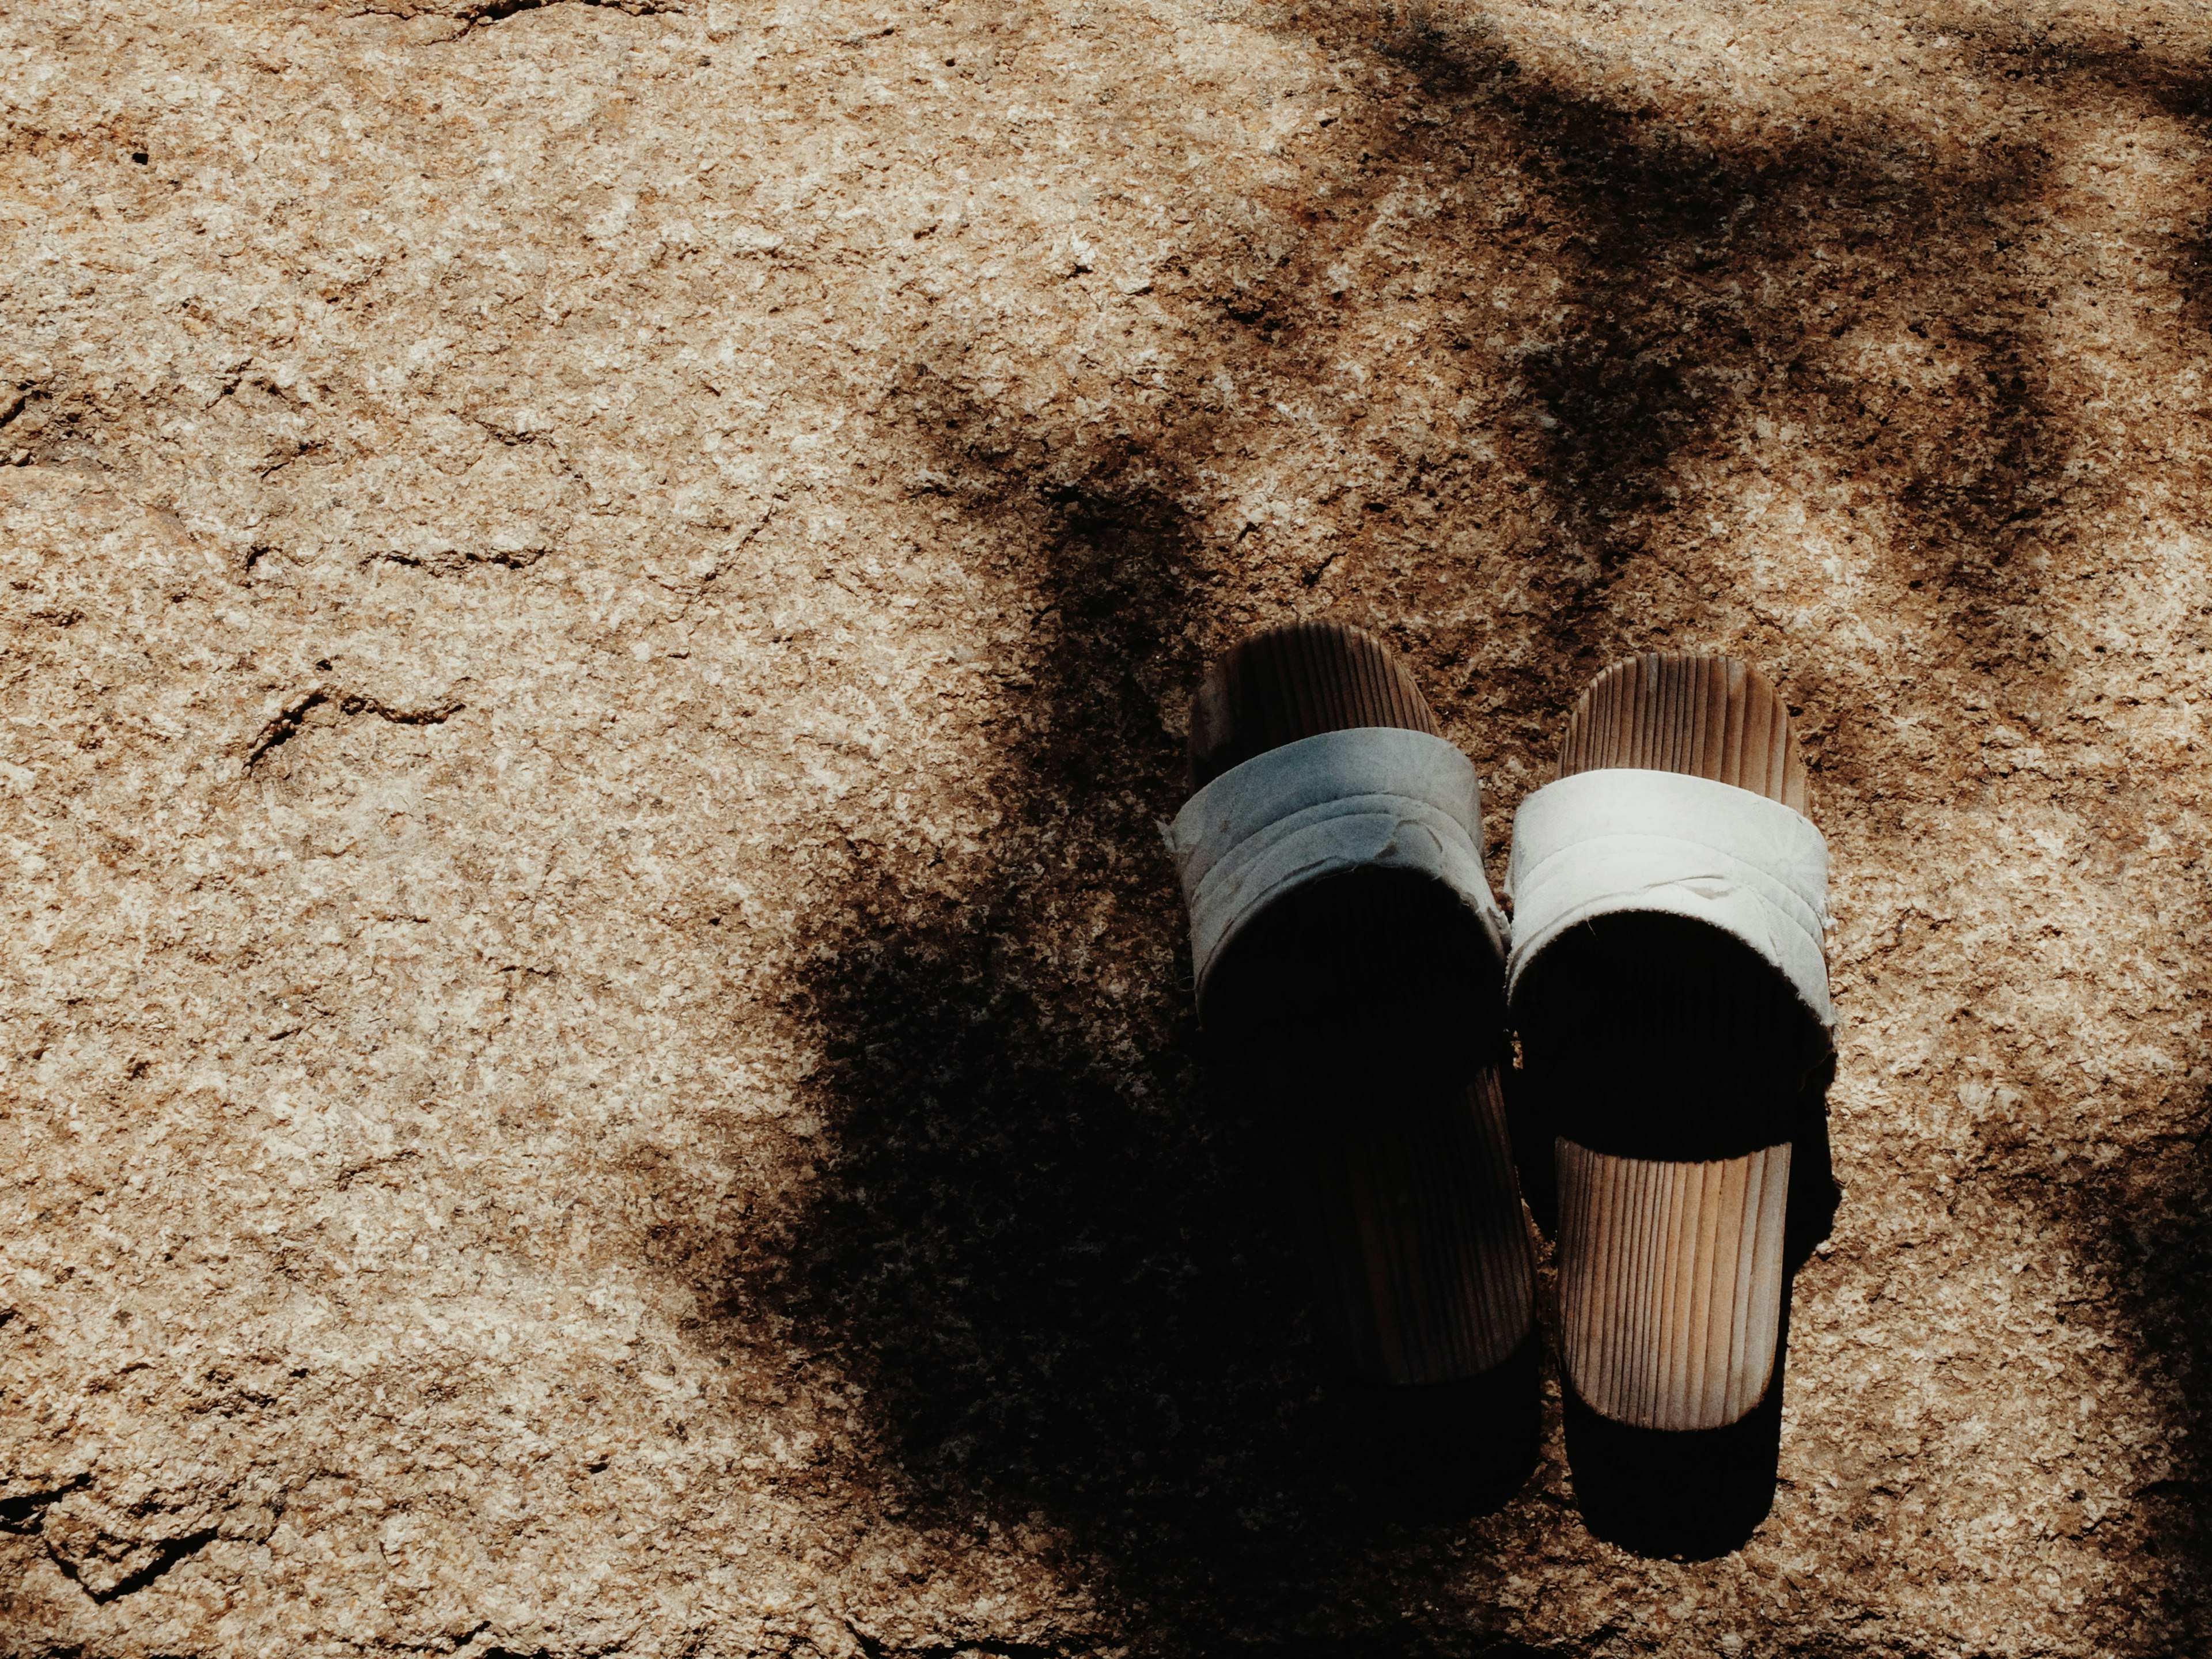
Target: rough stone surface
{"x":599,"y":608}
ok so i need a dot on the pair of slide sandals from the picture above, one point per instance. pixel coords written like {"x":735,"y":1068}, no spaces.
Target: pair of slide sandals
{"x":1665,"y":975}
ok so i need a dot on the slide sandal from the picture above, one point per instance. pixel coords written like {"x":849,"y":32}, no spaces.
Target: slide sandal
{"x":1669,"y":988}
{"x":1349,"y":962}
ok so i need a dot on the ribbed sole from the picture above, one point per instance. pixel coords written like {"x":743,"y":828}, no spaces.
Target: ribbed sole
{"x":1704,"y":1015}
{"x":1367,"y":1013}
{"x":1711,"y":717}
{"x":1298,"y":681}
{"x":1669,"y":1314}
{"x":1412,"y":1224}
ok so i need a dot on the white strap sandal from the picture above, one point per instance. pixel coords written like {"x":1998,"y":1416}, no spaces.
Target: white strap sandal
{"x":1670,"y":986}
{"x":1348,"y":955}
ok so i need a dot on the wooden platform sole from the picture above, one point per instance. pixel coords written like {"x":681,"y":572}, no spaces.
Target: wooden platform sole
{"x":1367,"y":1013}
{"x":1670,"y":1288}
{"x":1671,"y":1208}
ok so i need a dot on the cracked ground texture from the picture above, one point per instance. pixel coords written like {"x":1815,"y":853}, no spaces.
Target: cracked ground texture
{"x":599,"y":609}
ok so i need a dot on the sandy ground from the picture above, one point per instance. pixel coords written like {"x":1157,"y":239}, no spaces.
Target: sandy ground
{"x":600,"y":605}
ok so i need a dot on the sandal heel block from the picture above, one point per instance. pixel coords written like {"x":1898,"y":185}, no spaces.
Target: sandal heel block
{"x":1360,"y":998}
{"x":1670,"y":995}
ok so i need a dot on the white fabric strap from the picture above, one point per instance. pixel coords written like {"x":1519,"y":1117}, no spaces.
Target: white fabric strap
{"x":1376,"y":796}
{"x":1618,"y":839}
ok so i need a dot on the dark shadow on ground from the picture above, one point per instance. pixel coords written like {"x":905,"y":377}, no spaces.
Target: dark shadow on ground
{"x":1720,"y":298}
{"x":1049,"y":1237}
{"x":2144,"y":1227}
